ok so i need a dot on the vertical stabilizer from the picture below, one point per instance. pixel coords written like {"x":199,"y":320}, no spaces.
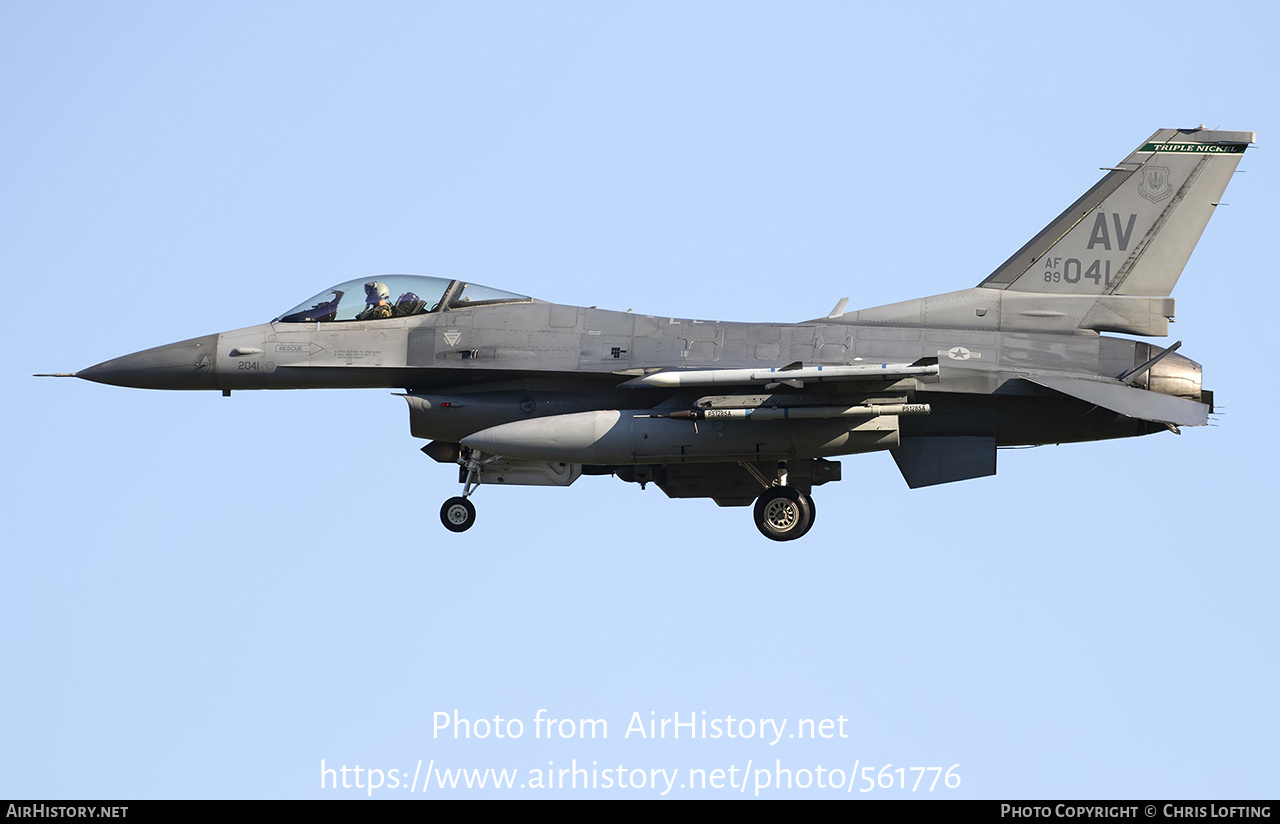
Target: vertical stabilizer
{"x":1132,"y":233}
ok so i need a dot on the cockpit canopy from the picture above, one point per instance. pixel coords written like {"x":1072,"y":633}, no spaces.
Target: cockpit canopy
{"x":399,"y":296}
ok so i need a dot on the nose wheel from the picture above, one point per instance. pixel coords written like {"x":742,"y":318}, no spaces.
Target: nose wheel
{"x":458,"y":514}
{"x":784,"y":513}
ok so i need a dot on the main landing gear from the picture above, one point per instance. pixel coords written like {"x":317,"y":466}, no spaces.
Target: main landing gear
{"x":783,"y":513}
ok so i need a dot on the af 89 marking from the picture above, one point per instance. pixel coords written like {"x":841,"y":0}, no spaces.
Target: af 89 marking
{"x":1099,"y":271}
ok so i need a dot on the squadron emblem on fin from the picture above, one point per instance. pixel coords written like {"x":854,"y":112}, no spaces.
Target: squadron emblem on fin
{"x":1155,"y":184}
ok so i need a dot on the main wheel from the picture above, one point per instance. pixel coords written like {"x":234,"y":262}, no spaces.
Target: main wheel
{"x":783,"y":513}
{"x":457,"y":514}
{"x":813,"y":514}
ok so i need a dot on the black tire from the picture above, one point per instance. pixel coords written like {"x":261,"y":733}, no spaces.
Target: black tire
{"x":813,"y":514}
{"x":783,"y":513}
{"x":457,"y":514}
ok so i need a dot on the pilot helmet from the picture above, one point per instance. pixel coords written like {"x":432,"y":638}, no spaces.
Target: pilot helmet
{"x":376,"y":291}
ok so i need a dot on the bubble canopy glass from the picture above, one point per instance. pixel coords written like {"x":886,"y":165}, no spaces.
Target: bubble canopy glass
{"x":406,"y":294}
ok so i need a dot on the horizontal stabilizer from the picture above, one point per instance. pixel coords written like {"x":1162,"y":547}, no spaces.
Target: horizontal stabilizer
{"x":1142,"y":404}
{"x":935,"y":460}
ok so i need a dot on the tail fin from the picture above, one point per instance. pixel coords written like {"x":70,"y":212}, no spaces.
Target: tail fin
{"x":1132,"y":233}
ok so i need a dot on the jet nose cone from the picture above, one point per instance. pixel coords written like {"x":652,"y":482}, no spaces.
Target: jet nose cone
{"x":188,"y":364}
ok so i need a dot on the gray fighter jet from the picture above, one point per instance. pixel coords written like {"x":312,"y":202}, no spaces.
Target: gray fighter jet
{"x":519,"y":391}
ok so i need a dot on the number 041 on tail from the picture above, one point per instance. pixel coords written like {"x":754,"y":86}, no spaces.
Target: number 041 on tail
{"x":519,"y":391}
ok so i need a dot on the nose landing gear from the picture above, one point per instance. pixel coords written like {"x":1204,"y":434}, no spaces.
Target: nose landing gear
{"x":458,"y":514}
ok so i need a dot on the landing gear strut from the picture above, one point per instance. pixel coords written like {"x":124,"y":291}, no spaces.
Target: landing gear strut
{"x":783,"y":513}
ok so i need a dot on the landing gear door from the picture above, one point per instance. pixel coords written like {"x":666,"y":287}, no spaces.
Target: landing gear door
{"x":513,"y":472}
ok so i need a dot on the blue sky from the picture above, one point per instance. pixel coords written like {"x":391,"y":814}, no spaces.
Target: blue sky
{"x":206,"y":597}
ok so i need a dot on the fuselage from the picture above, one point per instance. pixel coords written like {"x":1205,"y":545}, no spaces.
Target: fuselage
{"x":522,"y":359}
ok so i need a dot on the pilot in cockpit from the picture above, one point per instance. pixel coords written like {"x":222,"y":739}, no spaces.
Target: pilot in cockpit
{"x":408,"y":304}
{"x":376,"y":296}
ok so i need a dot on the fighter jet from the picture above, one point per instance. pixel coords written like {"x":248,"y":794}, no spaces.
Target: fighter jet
{"x":518,"y":391}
